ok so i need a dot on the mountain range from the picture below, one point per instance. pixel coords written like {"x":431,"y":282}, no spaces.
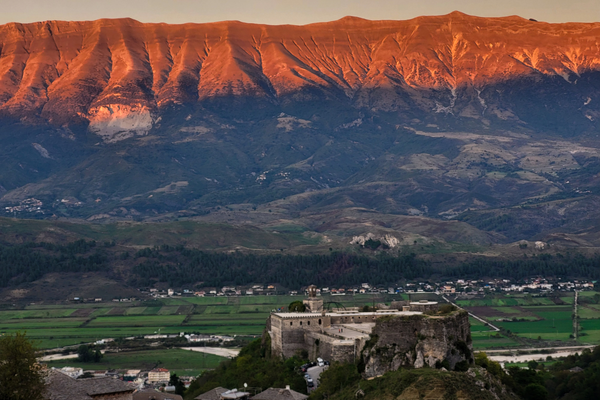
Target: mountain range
{"x":447,"y":129}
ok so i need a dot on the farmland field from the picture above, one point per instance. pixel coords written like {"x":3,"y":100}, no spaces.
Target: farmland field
{"x":525,"y":316}
{"x":58,"y":325}
{"x":536,"y":317}
{"x":484,"y":337}
{"x":181,"y":362}
{"x":137,"y":321}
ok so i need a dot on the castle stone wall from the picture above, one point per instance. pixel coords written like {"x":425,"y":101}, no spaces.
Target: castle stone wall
{"x":287,"y":333}
{"x":340,"y":319}
{"x":330,"y":348}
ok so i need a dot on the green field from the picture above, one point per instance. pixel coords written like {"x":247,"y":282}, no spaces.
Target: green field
{"x":70,"y":324}
{"x":535,"y":317}
{"x":488,"y":339}
{"x":503,"y":300}
{"x":137,"y":321}
{"x":555,"y":323}
{"x":181,"y":362}
{"x":485,"y":338}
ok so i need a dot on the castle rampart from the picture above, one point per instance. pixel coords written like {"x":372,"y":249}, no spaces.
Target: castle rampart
{"x":406,"y":334}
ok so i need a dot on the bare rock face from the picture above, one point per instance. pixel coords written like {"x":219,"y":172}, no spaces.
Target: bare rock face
{"x":117,"y":122}
{"x":418,"y":341}
{"x":117,"y":74}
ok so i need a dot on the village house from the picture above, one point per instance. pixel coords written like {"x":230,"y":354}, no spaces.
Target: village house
{"x":159,"y":375}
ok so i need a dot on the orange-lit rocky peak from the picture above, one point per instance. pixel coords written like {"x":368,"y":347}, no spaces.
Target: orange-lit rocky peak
{"x":118,"y":74}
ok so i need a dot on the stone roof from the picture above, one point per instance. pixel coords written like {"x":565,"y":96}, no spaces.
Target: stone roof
{"x":63,"y":387}
{"x":152,"y":394}
{"x":213,"y":394}
{"x":280,"y":394}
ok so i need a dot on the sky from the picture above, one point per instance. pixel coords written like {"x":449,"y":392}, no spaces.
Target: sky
{"x":296,"y":12}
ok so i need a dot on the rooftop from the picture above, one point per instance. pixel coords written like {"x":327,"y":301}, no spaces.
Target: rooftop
{"x":345,"y":314}
{"x":152,"y":394}
{"x":213,"y":394}
{"x":63,"y":387}
{"x":280,"y":394}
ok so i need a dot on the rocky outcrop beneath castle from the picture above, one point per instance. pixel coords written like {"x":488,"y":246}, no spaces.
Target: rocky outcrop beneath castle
{"x":417,"y":341}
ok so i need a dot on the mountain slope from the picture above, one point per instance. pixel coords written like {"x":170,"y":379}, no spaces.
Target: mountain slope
{"x":341,"y":128}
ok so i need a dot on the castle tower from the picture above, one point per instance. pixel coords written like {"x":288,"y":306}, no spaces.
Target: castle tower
{"x":312,"y":303}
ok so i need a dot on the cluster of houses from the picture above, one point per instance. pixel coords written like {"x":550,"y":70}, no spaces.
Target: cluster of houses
{"x":458,"y":286}
{"x":534,"y":285}
{"x":207,"y":292}
{"x":155,"y":378}
{"x":64,"y":384}
{"x":27,"y":205}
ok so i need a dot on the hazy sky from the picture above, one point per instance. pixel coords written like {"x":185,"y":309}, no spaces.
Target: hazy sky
{"x":290,"y":11}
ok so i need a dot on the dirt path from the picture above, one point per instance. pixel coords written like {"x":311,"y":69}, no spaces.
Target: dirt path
{"x":54,"y":357}
{"x":217,"y":351}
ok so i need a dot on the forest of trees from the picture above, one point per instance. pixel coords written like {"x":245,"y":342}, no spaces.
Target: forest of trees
{"x":30,"y":261}
{"x":293,"y":271}
{"x":180,"y":266}
{"x":255,"y":367}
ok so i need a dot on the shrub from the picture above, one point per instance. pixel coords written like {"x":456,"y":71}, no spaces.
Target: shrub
{"x":446,"y":309}
{"x":462,"y":366}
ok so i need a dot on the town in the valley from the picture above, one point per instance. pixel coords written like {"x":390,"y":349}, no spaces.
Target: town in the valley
{"x":326,"y":331}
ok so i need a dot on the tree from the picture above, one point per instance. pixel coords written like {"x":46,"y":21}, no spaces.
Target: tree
{"x":533,"y":364}
{"x":535,"y":391}
{"x":335,"y":378}
{"x":297,"y":306}
{"x":87,"y":353}
{"x":179,"y":385}
{"x":21,"y":376}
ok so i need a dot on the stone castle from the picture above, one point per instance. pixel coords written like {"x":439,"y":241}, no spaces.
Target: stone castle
{"x":406,"y":334}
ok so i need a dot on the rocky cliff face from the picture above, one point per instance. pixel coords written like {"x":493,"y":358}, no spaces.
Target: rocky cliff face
{"x":118,"y":75}
{"x":418,"y":341}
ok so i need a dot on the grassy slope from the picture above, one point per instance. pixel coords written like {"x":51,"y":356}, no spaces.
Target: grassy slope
{"x":209,"y":236}
{"x":418,"y":384}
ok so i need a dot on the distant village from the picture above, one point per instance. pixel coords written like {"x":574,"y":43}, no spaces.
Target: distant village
{"x":35,"y":206}
{"x":157,"y":378}
{"x":457,"y":287}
